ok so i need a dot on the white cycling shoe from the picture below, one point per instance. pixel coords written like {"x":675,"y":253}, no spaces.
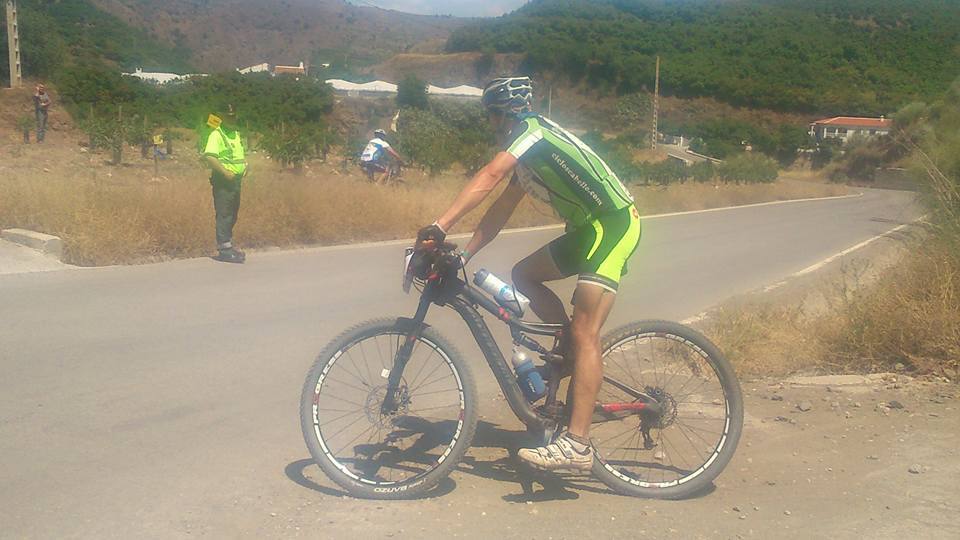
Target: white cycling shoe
{"x":558,"y":455}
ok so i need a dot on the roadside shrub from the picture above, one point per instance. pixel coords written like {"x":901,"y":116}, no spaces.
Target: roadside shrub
{"x":412,"y":93}
{"x":445,"y":134}
{"x":860,"y":162}
{"x":703,"y":172}
{"x":748,"y":168}
{"x":664,"y":173}
{"x":292,"y":144}
{"x":427,"y":140}
{"x":827,"y":151}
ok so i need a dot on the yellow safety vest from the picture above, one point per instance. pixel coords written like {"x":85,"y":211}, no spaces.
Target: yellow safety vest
{"x":227,"y":150}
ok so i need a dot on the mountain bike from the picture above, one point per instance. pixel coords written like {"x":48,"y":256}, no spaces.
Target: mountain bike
{"x":390,"y":406}
{"x":392,"y":168}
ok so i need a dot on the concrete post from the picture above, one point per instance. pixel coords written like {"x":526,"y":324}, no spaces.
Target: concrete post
{"x":13,"y":45}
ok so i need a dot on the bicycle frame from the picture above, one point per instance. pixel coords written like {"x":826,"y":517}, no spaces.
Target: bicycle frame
{"x":455,"y":293}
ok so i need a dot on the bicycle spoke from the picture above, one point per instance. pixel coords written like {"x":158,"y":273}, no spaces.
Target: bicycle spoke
{"x":676,"y":370}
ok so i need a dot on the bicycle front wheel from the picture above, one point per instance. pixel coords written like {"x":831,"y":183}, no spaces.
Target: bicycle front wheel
{"x":399,"y":454}
{"x":681,"y":451}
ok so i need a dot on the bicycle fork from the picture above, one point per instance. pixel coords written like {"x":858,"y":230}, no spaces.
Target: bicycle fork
{"x":413,"y":328}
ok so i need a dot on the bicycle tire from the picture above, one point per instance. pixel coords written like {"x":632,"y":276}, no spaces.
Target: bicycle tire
{"x":417,"y":485}
{"x":687,"y":486}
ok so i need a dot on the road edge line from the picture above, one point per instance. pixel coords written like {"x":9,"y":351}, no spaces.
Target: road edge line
{"x":818,"y":265}
{"x":539,"y":228}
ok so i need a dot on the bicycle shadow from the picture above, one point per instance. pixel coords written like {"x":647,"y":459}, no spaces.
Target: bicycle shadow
{"x":507,"y":470}
{"x":553,"y":486}
{"x":295,"y":471}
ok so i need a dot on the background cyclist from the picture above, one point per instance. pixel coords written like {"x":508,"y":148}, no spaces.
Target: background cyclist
{"x":373,"y":160}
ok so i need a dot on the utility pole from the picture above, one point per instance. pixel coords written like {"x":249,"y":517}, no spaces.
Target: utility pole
{"x":13,"y":45}
{"x":550,"y":103}
{"x":656,"y":107}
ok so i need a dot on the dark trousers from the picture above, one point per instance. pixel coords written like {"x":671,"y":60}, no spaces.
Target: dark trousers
{"x":226,"y":203}
{"x":41,"y":124}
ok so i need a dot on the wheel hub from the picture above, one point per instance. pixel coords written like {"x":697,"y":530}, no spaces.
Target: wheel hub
{"x":372,"y":405}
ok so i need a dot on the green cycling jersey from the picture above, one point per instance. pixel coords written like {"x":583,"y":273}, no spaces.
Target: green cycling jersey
{"x":560,"y":169}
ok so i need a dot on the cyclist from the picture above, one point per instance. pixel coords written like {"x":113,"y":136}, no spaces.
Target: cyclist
{"x":603,"y":229}
{"x":373,"y":158}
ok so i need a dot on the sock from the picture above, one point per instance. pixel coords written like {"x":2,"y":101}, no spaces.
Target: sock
{"x":580,"y":444}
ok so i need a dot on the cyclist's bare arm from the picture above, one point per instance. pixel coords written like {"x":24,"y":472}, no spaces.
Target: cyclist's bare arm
{"x":482,"y":184}
{"x":395,"y":154}
{"x":496,"y":217}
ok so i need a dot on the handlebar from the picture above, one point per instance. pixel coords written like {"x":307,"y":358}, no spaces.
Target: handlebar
{"x":431,"y":262}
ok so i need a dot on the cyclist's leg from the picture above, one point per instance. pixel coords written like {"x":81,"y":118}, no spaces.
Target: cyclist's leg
{"x":384,"y":173}
{"x":529,"y":276}
{"x":599,"y":251}
{"x":591,"y":306}
{"x":617,"y":237}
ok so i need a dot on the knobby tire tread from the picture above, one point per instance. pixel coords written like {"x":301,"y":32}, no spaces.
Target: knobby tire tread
{"x":356,"y":333}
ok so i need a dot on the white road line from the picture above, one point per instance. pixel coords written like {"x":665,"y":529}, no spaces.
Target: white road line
{"x":753,"y":205}
{"x":460,"y":236}
{"x":817,"y":266}
{"x":835,"y":256}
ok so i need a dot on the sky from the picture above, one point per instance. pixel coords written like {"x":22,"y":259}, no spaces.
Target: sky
{"x":461,"y":8}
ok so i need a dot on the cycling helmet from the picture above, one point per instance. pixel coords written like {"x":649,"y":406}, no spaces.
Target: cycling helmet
{"x":379,"y":133}
{"x":510,"y":94}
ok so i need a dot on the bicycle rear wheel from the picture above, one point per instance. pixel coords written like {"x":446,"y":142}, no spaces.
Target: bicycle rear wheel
{"x":682,"y":451}
{"x":402,"y":454}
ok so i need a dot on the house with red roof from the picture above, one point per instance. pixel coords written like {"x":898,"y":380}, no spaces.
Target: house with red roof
{"x":847,"y":128}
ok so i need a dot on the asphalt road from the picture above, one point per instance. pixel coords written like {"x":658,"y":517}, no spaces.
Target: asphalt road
{"x":162,"y":400}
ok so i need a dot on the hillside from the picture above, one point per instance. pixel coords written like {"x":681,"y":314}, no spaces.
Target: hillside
{"x":823,"y":56}
{"x":224,"y":34}
{"x":63,"y":32}
{"x":447,"y":69}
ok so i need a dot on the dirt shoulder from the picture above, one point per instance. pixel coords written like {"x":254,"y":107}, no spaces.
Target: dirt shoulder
{"x":842,"y":469}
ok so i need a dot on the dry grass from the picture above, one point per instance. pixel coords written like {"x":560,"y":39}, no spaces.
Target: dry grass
{"x":764,"y":339}
{"x":693,"y":196}
{"x":119,"y":215}
{"x":911,"y":316}
{"x":908,"y":314}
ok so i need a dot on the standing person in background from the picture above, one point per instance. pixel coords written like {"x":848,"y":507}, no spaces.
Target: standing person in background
{"x":224,"y":155}
{"x":41,"y":106}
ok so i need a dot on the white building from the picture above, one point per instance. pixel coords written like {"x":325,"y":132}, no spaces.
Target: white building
{"x":846,"y":128}
{"x":385,"y":88}
{"x":259,"y":68}
{"x":157,"y":77}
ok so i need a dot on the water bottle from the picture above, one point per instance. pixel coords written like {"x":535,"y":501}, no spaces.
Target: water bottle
{"x":502,"y":292}
{"x":530,"y":380}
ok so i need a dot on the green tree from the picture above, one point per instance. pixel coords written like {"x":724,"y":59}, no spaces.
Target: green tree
{"x":861,"y":57}
{"x":412,"y":92}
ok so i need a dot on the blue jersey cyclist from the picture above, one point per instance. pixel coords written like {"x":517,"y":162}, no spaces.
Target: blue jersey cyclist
{"x":603,"y":229}
{"x":374,"y":155}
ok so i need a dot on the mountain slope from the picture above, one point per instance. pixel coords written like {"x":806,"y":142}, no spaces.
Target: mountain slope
{"x":225,"y":34}
{"x":58,"y":32}
{"x":855,"y":56}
